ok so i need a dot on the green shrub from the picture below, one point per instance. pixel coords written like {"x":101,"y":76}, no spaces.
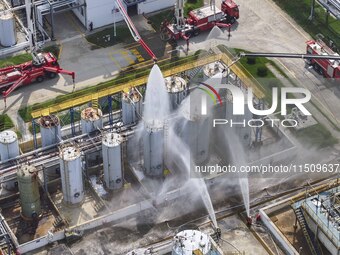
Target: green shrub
{"x":262,"y":71}
{"x":251,"y":60}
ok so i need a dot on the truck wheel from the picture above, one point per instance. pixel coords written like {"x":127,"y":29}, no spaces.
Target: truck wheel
{"x":51,"y":75}
{"x":40,"y":79}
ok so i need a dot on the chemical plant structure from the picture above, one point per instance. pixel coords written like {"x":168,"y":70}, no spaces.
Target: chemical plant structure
{"x":109,"y":166}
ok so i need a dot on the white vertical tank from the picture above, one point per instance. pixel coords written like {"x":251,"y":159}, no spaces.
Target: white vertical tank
{"x":177,"y":89}
{"x":50,"y":130}
{"x":8,"y":34}
{"x":190,"y":242}
{"x":196,"y":134}
{"x":71,"y":175}
{"x":9,"y":145}
{"x":153,"y":142}
{"x":112,"y":160}
{"x":240,"y":122}
{"x":91,"y":120}
{"x":212,"y":69}
{"x":140,"y":252}
{"x":131,"y":106}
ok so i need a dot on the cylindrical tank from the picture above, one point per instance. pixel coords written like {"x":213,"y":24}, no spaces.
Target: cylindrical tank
{"x":212,"y":69}
{"x":190,"y":242}
{"x":131,"y":106}
{"x":112,"y":160}
{"x":9,"y":145}
{"x":8,"y":33}
{"x":194,"y":129}
{"x":50,"y":130}
{"x":177,"y":88}
{"x":240,"y":122}
{"x":153,"y":142}
{"x":91,"y":120}
{"x":71,"y":175}
{"x":9,"y":148}
{"x":29,"y":191}
{"x":139,"y":252}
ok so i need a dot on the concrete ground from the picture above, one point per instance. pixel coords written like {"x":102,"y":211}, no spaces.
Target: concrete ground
{"x":264,"y":27}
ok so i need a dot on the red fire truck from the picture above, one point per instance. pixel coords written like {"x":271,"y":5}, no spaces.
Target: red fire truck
{"x":199,"y":20}
{"x":44,"y":65}
{"x":329,"y":68}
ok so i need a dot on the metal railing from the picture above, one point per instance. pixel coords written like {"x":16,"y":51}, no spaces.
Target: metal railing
{"x":323,"y":227}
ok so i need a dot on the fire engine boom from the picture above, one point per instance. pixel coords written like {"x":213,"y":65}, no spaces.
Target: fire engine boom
{"x":199,"y":20}
{"x":133,"y":30}
{"x":44,"y":65}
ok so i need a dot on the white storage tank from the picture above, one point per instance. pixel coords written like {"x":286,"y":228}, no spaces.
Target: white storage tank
{"x":50,"y":130}
{"x":91,"y":120}
{"x":8,"y":33}
{"x":212,"y":69}
{"x":153,"y":142}
{"x":29,"y":191}
{"x":9,"y":145}
{"x":112,"y":160}
{"x":190,"y":242}
{"x":139,"y":252}
{"x":71,"y":175}
{"x":243,"y":131}
{"x":195,"y":131}
{"x":131,"y":106}
{"x":177,"y":88}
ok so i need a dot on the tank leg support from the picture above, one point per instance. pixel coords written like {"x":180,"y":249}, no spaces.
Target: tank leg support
{"x":109,"y":100}
{"x":73,"y":129}
{"x":34,"y":135}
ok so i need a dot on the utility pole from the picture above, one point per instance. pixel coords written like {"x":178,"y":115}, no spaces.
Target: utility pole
{"x":29,"y":24}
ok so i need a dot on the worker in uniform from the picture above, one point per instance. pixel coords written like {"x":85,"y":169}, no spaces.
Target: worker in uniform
{"x":91,"y":26}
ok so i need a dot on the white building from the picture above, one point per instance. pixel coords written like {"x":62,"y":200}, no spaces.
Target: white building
{"x":105,"y":12}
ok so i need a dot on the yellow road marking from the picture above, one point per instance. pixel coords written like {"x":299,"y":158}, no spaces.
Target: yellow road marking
{"x":74,"y":24}
{"x":115,"y":61}
{"x":60,"y":49}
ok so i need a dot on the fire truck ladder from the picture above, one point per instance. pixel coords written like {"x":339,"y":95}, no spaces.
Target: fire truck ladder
{"x":309,"y":236}
{"x":133,"y":30}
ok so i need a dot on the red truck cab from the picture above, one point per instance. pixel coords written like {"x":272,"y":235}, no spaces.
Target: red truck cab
{"x":230,"y":8}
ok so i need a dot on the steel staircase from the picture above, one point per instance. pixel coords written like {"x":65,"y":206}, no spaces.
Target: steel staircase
{"x":309,"y":236}
{"x":192,"y":73}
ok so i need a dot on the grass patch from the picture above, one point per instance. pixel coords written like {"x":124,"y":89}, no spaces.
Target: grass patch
{"x":300,"y":11}
{"x":316,"y":135}
{"x":5,"y":122}
{"x":25,"y":113}
{"x":156,"y":20}
{"x":192,"y":5}
{"x":15,"y":60}
{"x":105,"y":38}
{"x":22,"y":58}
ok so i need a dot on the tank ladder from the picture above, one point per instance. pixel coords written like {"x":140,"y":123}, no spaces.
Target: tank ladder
{"x":309,"y":236}
{"x":95,"y":103}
